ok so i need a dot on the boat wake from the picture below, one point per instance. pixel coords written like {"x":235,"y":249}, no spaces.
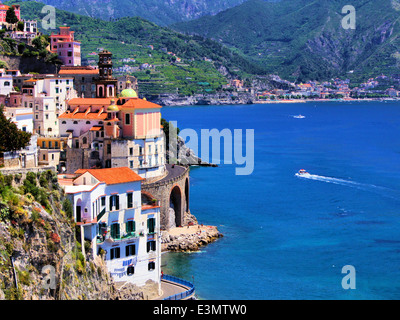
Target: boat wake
{"x":353,"y":184}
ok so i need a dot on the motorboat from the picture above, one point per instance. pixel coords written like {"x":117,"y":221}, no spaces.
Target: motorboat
{"x":300,"y":116}
{"x":302,"y":172}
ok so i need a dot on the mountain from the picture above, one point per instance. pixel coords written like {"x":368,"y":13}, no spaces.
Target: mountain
{"x":304,"y":39}
{"x":161,"y":12}
{"x":145,"y":42}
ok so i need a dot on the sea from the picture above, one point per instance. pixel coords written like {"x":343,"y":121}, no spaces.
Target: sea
{"x":332,"y":235}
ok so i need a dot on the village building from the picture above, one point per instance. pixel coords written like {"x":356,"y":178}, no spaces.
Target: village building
{"x":109,"y":209}
{"x":84,"y":77}
{"x":47,"y":97}
{"x":108,"y":132}
{"x":67,"y":48}
{"x":3,"y":11}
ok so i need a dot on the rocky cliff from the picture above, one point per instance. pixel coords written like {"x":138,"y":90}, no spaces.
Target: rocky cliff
{"x":40,"y":255}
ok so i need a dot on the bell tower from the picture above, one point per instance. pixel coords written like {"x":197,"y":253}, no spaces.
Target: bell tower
{"x":106,"y":84}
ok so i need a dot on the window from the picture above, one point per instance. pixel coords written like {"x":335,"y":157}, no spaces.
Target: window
{"x":115,"y":253}
{"x":130,"y":200}
{"x":115,"y":234}
{"x":114,"y":202}
{"x":131,"y":164}
{"x":130,"y":250}
{"x":127,"y":118}
{"x":109,"y":149}
{"x":130,"y":226}
{"x":44,"y":144}
{"x":130,"y":271}
{"x":103,"y":201}
{"x":151,"y":246}
{"x":131,"y":151}
{"x":152,"y":266}
{"x":151,"y":225}
{"x":50,"y":143}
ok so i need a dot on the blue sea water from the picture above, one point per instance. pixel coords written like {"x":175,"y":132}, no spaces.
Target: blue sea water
{"x":287,"y":237}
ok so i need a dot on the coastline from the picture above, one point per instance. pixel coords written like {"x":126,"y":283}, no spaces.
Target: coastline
{"x":249,"y":100}
{"x":189,"y":238}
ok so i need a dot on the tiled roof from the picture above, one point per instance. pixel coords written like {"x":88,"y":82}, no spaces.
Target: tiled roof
{"x":140,"y":104}
{"x":79,"y":71}
{"x":113,"y":175}
{"x":90,"y":101}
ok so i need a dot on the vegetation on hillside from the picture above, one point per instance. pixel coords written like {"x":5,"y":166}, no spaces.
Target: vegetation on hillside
{"x":161,"y":48}
{"x":11,"y":138}
{"x":304,"y":40}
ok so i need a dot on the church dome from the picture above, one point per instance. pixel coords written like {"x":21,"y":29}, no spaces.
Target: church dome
{"x":113,"y":107}
{"x":128,"y":93}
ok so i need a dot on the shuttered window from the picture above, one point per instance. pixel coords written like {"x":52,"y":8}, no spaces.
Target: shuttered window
{"x":151,"y":246}
{"x":115,"y":253}
{"x":130,"y":250}
{"x":115,"y":234}
{"x":151,"y":225}
{"x":130,"y":227}
{"x":130,"y":200}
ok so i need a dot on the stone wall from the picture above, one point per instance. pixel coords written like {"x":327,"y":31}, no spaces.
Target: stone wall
{"x":177,"y":190}
{"x":29,"y":64}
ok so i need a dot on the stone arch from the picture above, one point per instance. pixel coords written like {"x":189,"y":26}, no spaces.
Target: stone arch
{"x":175,"y":205}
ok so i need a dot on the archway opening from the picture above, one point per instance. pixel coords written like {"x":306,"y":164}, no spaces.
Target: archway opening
{"x":187,"y":194}
{"x":175,"y":208}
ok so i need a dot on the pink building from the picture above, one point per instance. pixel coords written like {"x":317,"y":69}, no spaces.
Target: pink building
{"x":67,"y":48}
{"x":3,"y":11}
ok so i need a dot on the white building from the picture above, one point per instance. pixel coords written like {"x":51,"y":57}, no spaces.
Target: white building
{"x":22,"y":117}
{"x":47,"y":97}
{"x":6,"y":82}
{"x":108,"y":207}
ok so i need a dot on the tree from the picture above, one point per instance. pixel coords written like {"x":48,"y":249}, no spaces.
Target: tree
{"x":11,"y":17}
{"x":11,"y":138}
{"x":40,"y":43}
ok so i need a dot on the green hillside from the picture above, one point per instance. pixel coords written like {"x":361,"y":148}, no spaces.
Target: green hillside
{"x":303,"y":39}
{"x":131,"y":38}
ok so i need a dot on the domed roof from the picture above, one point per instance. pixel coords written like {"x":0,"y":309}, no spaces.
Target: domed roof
{"x":128,"y":93}
{"x":113,"y":107}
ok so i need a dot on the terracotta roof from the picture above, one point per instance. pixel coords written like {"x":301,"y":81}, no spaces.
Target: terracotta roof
{"x":140,"y":104}
{"x":79,"y":71}
{"x":96,"y":128}
{"x":113,"y":175}
{"x":90,"y":101}
{"x":84,"y":115}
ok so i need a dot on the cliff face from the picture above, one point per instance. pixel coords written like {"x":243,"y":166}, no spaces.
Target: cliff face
{"x":40,"y":258}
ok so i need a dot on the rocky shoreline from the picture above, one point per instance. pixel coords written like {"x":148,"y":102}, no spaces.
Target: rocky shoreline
{"x":189,"y":238}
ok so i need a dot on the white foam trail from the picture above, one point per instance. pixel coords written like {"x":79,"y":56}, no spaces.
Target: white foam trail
{"x":361,"y":186}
